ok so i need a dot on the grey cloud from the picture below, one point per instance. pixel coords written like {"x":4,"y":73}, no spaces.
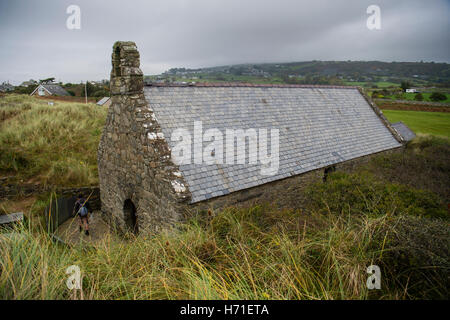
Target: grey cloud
{"x":36,"y":43}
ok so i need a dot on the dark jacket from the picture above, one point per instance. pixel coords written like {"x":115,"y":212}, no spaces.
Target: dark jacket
{"x":79,"y":203}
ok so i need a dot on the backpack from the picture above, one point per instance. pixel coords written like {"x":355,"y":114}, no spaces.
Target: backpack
{"x":83,"y":211}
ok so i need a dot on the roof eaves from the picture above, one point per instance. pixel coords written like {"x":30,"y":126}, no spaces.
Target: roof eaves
{"x":250,"y":85}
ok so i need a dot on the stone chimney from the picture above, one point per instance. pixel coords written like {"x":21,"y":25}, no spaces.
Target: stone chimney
{"x":126,"y":77}
{"x":140,"y":187}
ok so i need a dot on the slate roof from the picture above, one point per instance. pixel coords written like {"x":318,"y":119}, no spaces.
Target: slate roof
{"x":12,"y":217}
{"x":406,"y":133}
{"x":102,"y":101}
{"x":318,"y":127}
{"x":55,"y":89}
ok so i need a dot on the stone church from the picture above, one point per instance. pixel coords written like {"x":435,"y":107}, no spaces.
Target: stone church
{"x":307,"y":130}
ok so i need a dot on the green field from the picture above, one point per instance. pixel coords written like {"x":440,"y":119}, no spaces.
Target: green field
{"x":411,"y":96}
{"x":379,"y":84}
{"x":436,"y":123}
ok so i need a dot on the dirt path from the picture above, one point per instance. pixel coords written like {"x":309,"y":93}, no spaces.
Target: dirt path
{"x":69,"y":231}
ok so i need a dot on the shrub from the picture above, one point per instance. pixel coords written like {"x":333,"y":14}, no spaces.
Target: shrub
{"x":405,"y":85}
{"x":418,"y":97}
{"x":422,"y":165}
{"x":24,"y":90}
{"x":361,"y":193}
{"x":101,"y":93}
{"x":438,"y":96}
{"x":417,"y":257}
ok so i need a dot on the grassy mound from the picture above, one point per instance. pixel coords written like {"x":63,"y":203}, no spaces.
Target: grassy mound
{"x":49,"y":144}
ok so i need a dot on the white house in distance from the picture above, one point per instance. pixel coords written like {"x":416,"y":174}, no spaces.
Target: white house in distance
{"x":49,"y":89}
{"x":412,"y":90}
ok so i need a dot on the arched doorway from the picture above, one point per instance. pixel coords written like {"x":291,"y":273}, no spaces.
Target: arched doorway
{"x":129,"y":212}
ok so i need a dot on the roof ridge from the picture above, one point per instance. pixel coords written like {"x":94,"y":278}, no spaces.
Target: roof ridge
{"x":250,"y":85}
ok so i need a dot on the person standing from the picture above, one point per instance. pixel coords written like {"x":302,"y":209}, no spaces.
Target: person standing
{"x":82,"y":210}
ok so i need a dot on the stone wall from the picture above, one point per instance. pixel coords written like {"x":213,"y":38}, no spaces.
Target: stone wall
{"x":92,"y":192}
{"x":133,"y":157}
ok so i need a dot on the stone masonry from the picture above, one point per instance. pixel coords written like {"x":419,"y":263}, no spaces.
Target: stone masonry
{"x":131,"y":166}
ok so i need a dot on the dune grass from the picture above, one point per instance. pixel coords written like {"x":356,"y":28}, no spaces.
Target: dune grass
{"x":320,"y":251}
{"x":49,"y":144}
{"x":254,"y":253}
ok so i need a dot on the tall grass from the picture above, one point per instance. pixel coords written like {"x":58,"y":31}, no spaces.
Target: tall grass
{"x":50,"y":144}
{"x":197,"y":263}
{"x":254,"y":253}
{"x":423,"y":165}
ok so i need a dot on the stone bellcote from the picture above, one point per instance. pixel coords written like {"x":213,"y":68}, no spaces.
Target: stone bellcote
{"x":126,"y":76}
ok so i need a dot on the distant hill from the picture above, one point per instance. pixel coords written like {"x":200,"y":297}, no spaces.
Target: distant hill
{"x":419,"y":73}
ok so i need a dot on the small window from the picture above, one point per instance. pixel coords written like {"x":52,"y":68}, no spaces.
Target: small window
{"x":41,"y":91}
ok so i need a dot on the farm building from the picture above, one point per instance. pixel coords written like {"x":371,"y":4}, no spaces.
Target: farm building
{"x":106,"y":101}
{"x":49,"y":89}
{"x":166,"y":150}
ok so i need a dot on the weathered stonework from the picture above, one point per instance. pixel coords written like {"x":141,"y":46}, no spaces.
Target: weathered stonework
{"x":141,"y":189}
{"x":133,"y":157}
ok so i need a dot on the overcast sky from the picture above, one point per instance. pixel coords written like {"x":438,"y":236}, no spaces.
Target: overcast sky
{"x":35,"y":42}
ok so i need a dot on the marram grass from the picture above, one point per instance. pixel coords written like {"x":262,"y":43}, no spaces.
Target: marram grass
{"x":227,"y":256}
{"x":49,"y":144}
